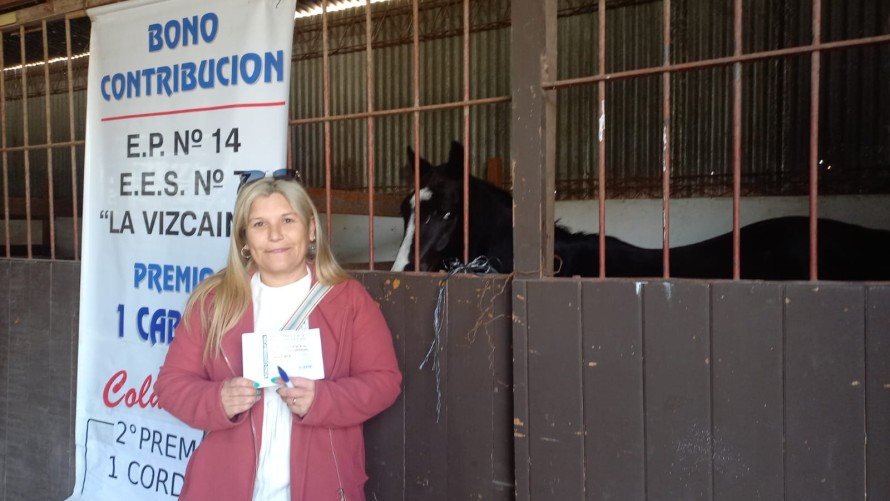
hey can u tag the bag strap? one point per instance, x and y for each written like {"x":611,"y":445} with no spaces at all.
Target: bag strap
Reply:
{"x":316,"y":294}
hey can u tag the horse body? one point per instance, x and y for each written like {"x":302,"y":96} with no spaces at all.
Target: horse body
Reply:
{"x":774,"y":249}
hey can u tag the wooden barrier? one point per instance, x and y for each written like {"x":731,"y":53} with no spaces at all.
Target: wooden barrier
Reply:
{"x":696,"y":390}
{"x":551,"y":389}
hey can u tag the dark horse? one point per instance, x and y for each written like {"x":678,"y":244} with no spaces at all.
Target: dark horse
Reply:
{"x":774,"y":249}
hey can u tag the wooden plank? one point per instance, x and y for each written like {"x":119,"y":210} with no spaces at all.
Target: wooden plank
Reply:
{"x":386,"y":453}
{"x":678,"y":390}
{"x":613,"y":391}
{"x":521,"y":409}
{"x":64,"y":298}
{"x":824,"y":391}
{"x":877,"y":385}
{"x":5,"y":299}
{"x":29,"y":310}
{"x":494,"y":172}
{"x":39,"y":208}
{"x":356,"y":202}
{"x":473,"y":432}
{"x":746,"y":341}
{"x":55,"y":9}
{"x":556,"y":423}
{"x":500,"y":329}
{"x":426,"y":440}
{"x":385,"y":433}
{"x":13,"y":5}
{"x":470,"y":438}
{"x":532,"y":158}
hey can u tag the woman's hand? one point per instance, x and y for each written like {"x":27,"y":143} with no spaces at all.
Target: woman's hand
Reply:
{"x":238,"y":395}
{"x":299,"y":398}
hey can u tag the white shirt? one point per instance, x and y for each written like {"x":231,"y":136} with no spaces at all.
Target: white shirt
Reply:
{"x":272,"y":307}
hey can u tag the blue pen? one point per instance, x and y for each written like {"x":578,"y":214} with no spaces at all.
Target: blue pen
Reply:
{"x":284,"y":377}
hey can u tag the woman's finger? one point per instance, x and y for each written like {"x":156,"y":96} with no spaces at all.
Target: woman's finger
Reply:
{"x":238,"y":395}
{"x":299,"y":398}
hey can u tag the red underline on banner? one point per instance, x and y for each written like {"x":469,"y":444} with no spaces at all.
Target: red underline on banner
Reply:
{"x":196,"y":110}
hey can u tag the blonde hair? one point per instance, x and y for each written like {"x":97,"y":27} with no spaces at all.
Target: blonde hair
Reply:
{"x":224,"y":296}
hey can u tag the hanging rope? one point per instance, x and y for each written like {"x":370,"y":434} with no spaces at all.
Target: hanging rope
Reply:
{"x":453,"y":266}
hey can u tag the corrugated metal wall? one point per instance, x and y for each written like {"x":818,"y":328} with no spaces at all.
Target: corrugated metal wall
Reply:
{"x":854,"y":102}
{"x":43,"y":110}
{"x":856,"y":109}
{"x":58,"y":116}
{"x":59,"y":123}
{"x":441,"y":77}
{"x":775,"y":102}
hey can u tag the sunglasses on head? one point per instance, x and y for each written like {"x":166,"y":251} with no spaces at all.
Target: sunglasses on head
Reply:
{"x":250,"y":176}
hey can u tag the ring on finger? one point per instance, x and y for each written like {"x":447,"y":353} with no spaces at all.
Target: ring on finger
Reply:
{"x":293,"y":401}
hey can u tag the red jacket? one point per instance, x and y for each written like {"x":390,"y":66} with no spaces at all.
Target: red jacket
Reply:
{"x":362,"y":379}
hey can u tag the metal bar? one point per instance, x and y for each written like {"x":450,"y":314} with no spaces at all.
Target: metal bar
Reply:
{"x":49,"y":151}
{"x":415,"y":13}
{"x":815,"y":66}
{"x":5,"y":154}
{"x":601,"y":136}
{"x":346,"y":48}
{"x":74,"y":204}
{"x":27,"y":162}
{"x":326,"y":89}
{"x":467,"y":145}
{"x":666,"y":142}
{"x":290,"y":150}
{"x":32,"y":147}
{"x":440,"y":30}
{"x":403,"y":111}
{"x":736,"y":141}
{"x":720,"y":61}
{"x":369,"y":65}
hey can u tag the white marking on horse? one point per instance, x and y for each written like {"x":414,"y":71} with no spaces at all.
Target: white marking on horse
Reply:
{"x":405,"y":250}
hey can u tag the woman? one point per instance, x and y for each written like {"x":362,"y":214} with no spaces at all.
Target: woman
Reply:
{"x":279,"y":443}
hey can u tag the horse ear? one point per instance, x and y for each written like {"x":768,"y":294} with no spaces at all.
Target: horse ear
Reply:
{"x":456,"y":161}
{"x":456,"y":154}
{"x":408,"y":169}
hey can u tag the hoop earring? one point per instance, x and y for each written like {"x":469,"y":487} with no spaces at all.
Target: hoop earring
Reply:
{"x":313,"y":250}
{"x":245,"y":255}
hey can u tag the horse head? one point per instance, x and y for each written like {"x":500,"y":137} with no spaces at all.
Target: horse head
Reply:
{"x":441,"y":217}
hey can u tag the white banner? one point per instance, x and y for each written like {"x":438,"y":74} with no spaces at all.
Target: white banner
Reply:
{"x":181,"y":95}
